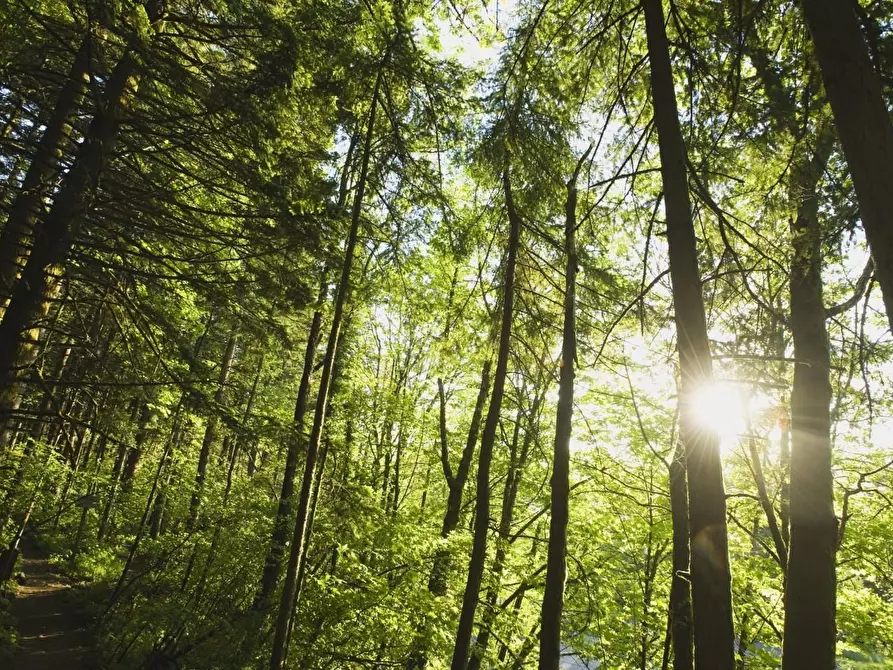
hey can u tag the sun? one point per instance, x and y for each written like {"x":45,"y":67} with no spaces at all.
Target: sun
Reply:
{"x":720,"y":408}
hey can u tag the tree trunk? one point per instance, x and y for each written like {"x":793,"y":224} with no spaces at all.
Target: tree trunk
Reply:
{"x":680,"y":592}
{"x":710,"y":573}
{"x":54,"y":236}
{"x":784,"y":494}
{"x":438,"y":581}
{"x":809,"y":639}
{"x":300,"y":537}
{"x":863,"y":124}
{"x":556,"y":572}
{"x":273,"y":562}
{"x":11,"y":396}
{"x":506,"y":518}
{"x":108,"y":508}
{"x":781,"y":549}
{"x":302,"y":572}
{"x":24,"y":210}
{"x":211,"y":430}
{"x":118,"y":591}
{"x":136,"y":451}
{"x":482,"y":506}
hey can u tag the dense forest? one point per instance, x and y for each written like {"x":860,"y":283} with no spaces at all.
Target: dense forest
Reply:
{"x":396,"y":334}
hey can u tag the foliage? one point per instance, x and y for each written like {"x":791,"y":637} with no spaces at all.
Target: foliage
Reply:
{"x":221,"y":218}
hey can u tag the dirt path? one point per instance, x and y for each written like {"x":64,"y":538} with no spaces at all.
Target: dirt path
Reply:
{"x":51,"y":633}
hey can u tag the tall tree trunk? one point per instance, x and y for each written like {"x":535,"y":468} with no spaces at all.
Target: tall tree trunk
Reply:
{"x":710,"y":573}
{"x":121,"y":584}
{"x":863,"y":124}
{"x":273,"y":562}
{"x":107,"y":509}
{"x":437,"y":582}
{"x":300,"y":537}
{"x":157,"y":520}
{"x":488,"y":439}
{"x":784,"y":493}
{"x":506,"y":518}
{"x":314,"y":500}
{"x":809,"y":632}
{"x":556,"y":572}
{"x":118,"y":476}
{"x":11,"y":396}
{"x":25,"y":208}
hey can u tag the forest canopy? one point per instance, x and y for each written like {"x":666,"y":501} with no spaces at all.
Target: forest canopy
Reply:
{"x":397,"y":334}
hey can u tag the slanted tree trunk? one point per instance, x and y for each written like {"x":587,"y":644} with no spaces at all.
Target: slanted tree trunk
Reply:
{"x":810,"y":631}
{"x":157,"y":520}
{"x":136,"y":451}
{"x":437,"y":583}
{"x":273,"y":562}
{"x":488,"y":439}
{"x":863,"y":124}
{"x":300,"y":537}
{"x":11,"y":397}
{"x":211,"y":430}
{"x":710,"y":573}
{"x":517,"y":461}
{"x":121,"y":584}
{"x":53,"y":238}
{"x":556,"y":572}
{"x":35,"y":433}
{"x":119,"y":479}
{"x":108,"y":508}
{"x":25,"y":208}
{"x":781,"y":549}
{"x":314,"y":500}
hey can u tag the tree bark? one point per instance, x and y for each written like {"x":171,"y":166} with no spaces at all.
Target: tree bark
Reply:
{"x":53,"y":238}
{"x":506,"y":518}
{"x":863,"y":124}
{"x":781,"y":549}
{"x":211,"y":430}
{"x":273,"y":563}
{"x":58,"y":230}
{"x":300,"y":536}
{"x":24,"y":211}
{"x":437,"y":583}
{"x":482,"y":506}
{"x":810,"y":593}
{"x":710,"y":572}
{"x":680,"y":591}
{"x":136,"y":451}
{"x":556,"y":572}
{"x":314,"y":499}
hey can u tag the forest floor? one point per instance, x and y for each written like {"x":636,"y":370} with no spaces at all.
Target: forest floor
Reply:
{"x":52,"y":632}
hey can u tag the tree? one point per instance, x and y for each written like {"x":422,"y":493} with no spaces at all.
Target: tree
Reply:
{"x":862,"y":121}
{"x":810,"y":633}
{"x":699,"y":274}
{"x":710,"y":572}
{"x":556,"y":573}
{"x":482,"y":500}
{"x":301,"y":534}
